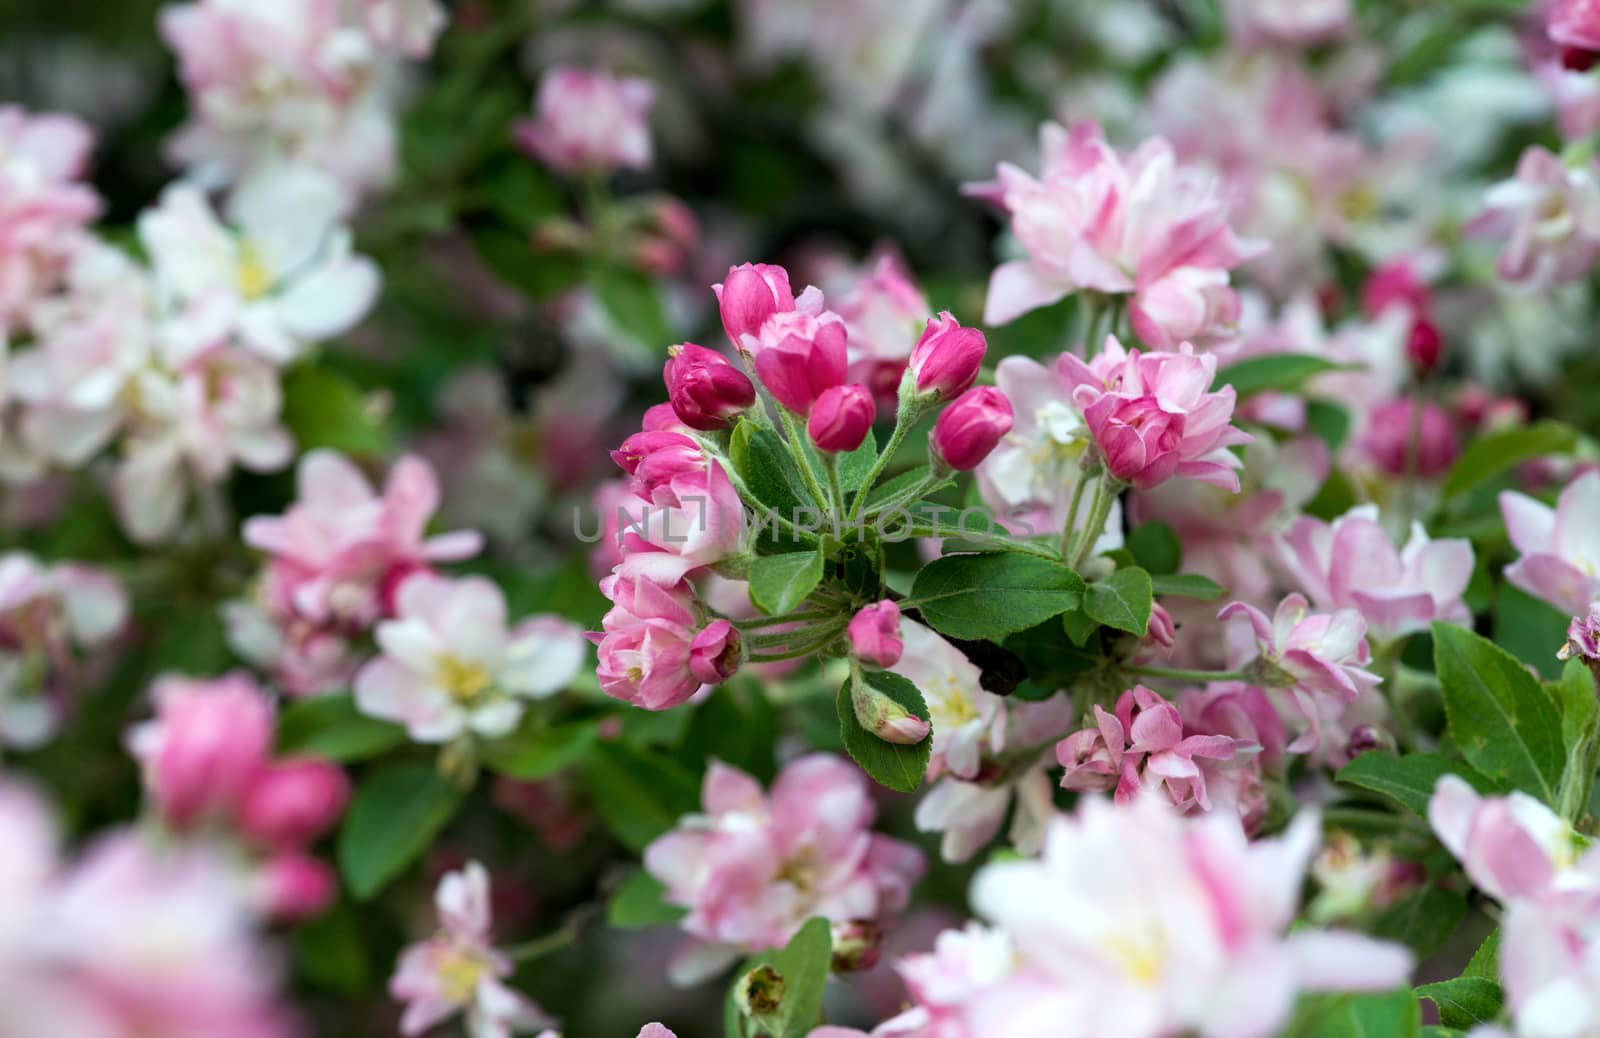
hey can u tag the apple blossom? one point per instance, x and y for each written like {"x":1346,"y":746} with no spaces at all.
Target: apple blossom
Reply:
{"x":799,"y":355}
{"x":1560,"y":547}
{"x":459,"y":970}
{"x":588,"y":121}
{"x":451,"y":666}
{"x":44,"y":206}
{"x":841,"y":418}
{"x":706,"y":390}
{"x":749,"y":295}
{"x":1352,"y":563}
{"x":757,"y":865}
{"x":946,"y":358}
{"x":875,"y":634}
{"x":970,"y":428}
{"x":1549,"y":216}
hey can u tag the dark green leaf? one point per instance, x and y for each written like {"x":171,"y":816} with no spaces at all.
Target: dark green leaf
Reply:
{"x":630,"y":299}
{"x":512,"y":259}
{"x":331,"y":727}
{"x":1485,"y":962}
{"x":759,"y":458}
{"x":778,"y":583}
{"x":1393,"y":1015}
{"x":1283,"y":372}
{"x":1422,"y":920}
{"x":540,"y":752}
{"x":736,"y":725}
{"x":330,"y":953}
{"x":1079,"y":626}
{"x":991,"y":596}
{"x":804,"y":964}
{"x":1155,"y":547}
{"x":395,"y":816}
{"x":1121,"y":601}
{"x":1330,"y":422}
{"x":1187,"y":585}
{"x":1497,"y":452}
{"x":1501,"y":718}
{"x":890,"y":764}
{"x":324,"y":409}
{"x":1529,"y":628}
{"x":640,"y":902}
{"x":1408,"y":781}
{"x":638,"y":793}
{"x":1465,"y":1001}
{"x":890,"y":489}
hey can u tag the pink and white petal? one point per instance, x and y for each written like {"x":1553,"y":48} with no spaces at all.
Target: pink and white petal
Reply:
{"x":331,"y":300}
{"x":411,"y":644}
{"x":1015,"y":288}
{"x":1333,"y":960}
{"x":544,"y":655}
{"x":1530,"y":524}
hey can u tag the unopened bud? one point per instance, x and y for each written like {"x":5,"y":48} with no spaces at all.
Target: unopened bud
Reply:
{"x":759,"y":992}
{"x":1365,"y":738}
{"x":885,"y":718}
{"x":857,"y":945}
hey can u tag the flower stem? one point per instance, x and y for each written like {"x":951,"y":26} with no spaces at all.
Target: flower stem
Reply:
{"x":797,"y":448}
{"x":1105,"y":495}
{"x":905,"y":418}
{"x":1071,"y":525}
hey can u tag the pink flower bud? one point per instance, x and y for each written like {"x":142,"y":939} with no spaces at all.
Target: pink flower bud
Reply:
{"x":291,"y":803}
{"x":875,"y":634}
{"x":1424,"y":347}
{"x":714,"y":654}
{"x":947,"y":357}
{"x":207,"y":744}
{"x":1395,"y":284}
{"x":749,"y":295}
{"x":293,"y":886}
{"x":1575,"y":24}
{"x":800,"y":356}
{"x":970,"y":428}
{"x":706,"y":390}
{"x":885,"y":718}
{"x":1387,"y":440}
{"x":841,"y":418}
{"x":1583,"y":639}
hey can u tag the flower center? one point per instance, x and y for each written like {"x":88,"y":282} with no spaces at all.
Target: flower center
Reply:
{"x":1139,"y":953}
{"x":459,"y":971}
{"x":250,"y":273}
{"x":465,"y":682}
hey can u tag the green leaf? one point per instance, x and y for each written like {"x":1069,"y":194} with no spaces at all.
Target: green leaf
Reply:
{"x":1485,"y":962}
{"x":1576,"y":694}
{"x":638,"y":793}
{"x":991,"y":596}
{"x":1408,"y":781}
{"x":890,"y":764}
{"x":1155,"y":547}
{"x":630,"y":299}
{"x":1187,"y":585}
{"x":778,"y":583}
{"x":329,"y":951}
{"x":394,"y":817}
{"x":1121,"y":601}
{"x":1422,"y":920}
{"x":759,"y":458}
{"x":1529,"y":628}
{"x":512,"y":259}
{"x":1392,"y":1015}
{"x":804,"y":964}
{"x":1501,"y":718}
{"x":853,"y":465}
{"x":540,"y":752}
{"x":1497,"y":452}
{"x":1078,"y":626}
{"x":1283,"y":372}
{"x":333,"y":728}
{"x":890,"y":489}
{"x":1330,"y":422}
{"x":737,"y":725}
{"x":640,"y":902}
{"x":1465,"y":1001}
{"x":324,"y":409}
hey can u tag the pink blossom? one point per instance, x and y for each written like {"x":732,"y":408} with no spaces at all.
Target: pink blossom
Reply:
{"x":1098,"y":221}
{"x":1141,"y":923}
{"x":589,"y":121}
{"x":1511,"y":846}
{"x":1547,"y":955}
{"x":1583,"y":638}
{"x":1387,"y":440}
{"x":410,"y":25}
{"x":460,"y":970}
{"x":875,"y":634}
{"x":47,"y":616}
{"x":44,"y":206}
{"x":706,"y":390}
{"x":219,"y":410}
{"x":841,"y":418}
{"x":1313,"y":656}
{"x":1575,"y":23}
{"x":292,"y":886}
{"x":342,"y":548}
{"x":963,"y":965}
{"x":799,"y":355}
{"x":755,"y":866}
{"x":1144,"y":744}
{"x":1560,"y":547}
{"x":647,"y":645}
{"x":884,"y":312}
{"x":290,"y":804}
{"x":450,"y":665}
{"x":693,"y":518}
{"x":289,"y":79}
{"x":1351,"y":563}
{"x":947,"y":357}
{"x":967,"y":718}
{"x":1154,"y":416}
{"x":206,"y":747}
{"x":749,"y":295}
{"x":970,"y":428}
{"x":1549,"y":216}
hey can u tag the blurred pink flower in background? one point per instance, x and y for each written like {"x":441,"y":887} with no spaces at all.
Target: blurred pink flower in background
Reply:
{"x":44,"y":206}
{"x":589,"y":121}
{"x":1560,"y":547}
